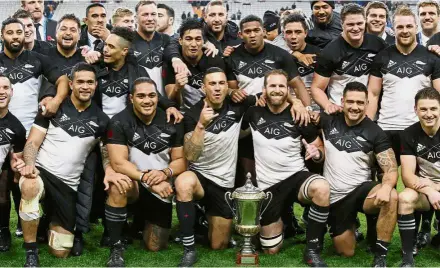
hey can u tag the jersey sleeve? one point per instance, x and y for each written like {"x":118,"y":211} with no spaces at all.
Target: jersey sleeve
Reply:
{"x":189,"y":123}
{"x":245,"y":124}
{"x":229,"y":67}
{"x":20,"y":138}
{"x":41,"y":121}
{"x":50,"y":71}
{"x":309,"y":133}
{"x":103,"y":127}
{"x":407,"y":143}
{"x":171,"y":48}
{"x":324,"y":65}
{"x":436,"y":68}
{"x":169,"y":75}
{"x":116,"y":133}
{"x":377,"y":65}
{"x":324,"y":120}
{"x":289,"y":65}
{"x":381,"y":142}
{"x":178,"y":139}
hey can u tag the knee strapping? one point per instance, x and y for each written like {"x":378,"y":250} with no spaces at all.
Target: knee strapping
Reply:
{"x":30,"y":209}
{"x":59,"y":241}
{"x":271,"y":242}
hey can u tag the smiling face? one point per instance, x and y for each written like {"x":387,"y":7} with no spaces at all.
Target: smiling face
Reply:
{"x":353,"y":27}
{"x":405,"y":29}
{"x":145,"y":99}
{"x":376,"y":20}
{"x":13,"y":37}
{"x":147,"y":18}
{"x":216,"y":18}
{"x":322,"y":12}
{"x":429,"y":17}
{"x":276,"y":90}
{"x":67,"y":34}
{"x":354,"y":104}
{"x":83,"y":86}
{"x":192,"y":43}
{"x":5,"y":92}
{"x":29,"y":30}
{"x":428,"y":111}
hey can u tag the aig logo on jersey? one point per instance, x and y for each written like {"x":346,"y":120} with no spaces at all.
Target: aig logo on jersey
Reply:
{"x":407,"y":69}
{"x":256,"y":69}
{"x":116,"y":89}
{"x":81,"y":129}
{"x":275,"y":130}
{"x":223,"y":123}
{"x":350,"y":143}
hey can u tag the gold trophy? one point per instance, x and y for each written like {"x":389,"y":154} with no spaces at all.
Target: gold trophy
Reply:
{"x":247,"y":201}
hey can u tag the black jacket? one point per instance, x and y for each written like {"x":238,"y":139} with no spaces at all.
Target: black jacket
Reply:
{"x":229,"y":39}
{"x":321,"y":35}
{"x":84,"y":38}
{"x":51,"y":29}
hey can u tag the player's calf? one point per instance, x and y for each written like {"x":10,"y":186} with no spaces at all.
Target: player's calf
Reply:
{"x":271,"y":237}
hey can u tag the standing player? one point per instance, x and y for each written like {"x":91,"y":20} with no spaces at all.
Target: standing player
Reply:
{"x":23,"y":67}
{"x":429,"y":15}
{"x":401,"y":70}
{"x":326,"y":24}
{"x":55,"y":154}
{"x":377,"y":17}
{"x":149,"y":150}
{"x":281,"y":169}
{"x":152,"y":48}
{"x":13,"y":138}
{"x":351,"y":141}
{"x":398,"y":73}
{"x":123,"y":17}
{"x":348,"y":58}
{"x":165,"y":20}
{"x":183,"y":88}
{"x":420,"y":170}
{"x":212,"y":129}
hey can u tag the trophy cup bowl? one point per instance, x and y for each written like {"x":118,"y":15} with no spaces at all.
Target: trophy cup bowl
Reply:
{"x":247,"y":201}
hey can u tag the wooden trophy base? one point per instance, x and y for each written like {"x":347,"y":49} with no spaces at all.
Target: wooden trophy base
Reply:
{"x":247,"y":259}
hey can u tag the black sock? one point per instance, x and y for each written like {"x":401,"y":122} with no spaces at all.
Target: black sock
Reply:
{"x":407,"y":228}
{"x":381,"y":247}
{"x":30,"y":246}
{"x":186,"y":213}
{"x":426,"y":221}
{"x":115,"y":219}
{"x":371,"y":230}
{"x":316,"y":223}
{"x":5,"y":213}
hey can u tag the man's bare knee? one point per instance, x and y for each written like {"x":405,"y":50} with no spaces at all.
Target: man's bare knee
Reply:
{"x":185,"y":186}
{"x":319,"y":191}
{"x":60,"y":241}
{"x":115,"y":197}
{"x":29,"y":189}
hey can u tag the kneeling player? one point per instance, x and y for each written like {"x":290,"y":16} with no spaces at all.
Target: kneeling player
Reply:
{"x":420,"y":157}
{"x":212,"y":129}
{"x":54,"y":154}
{"x":149,"y":151}
{"x":351,"y":140}
{"x":281,"y":169}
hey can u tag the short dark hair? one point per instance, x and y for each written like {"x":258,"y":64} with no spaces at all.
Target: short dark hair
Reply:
{"x":92,"y":6}
{"x":377,"y":5}
{"x":275,"y":72}
{"x":143,"y":3}
{"x":190,"y":24}
{"x":4,"y":76}
{"x":170,"y":10}
{"x":427,"y":93}
{"x":295,"y":18}
{"x":355,"y":86}
{"x":22,"y":14}
{"x":142,"y":80}
{"x":250,"y":18}
{"x":81,"y":66}
{"x":124,"y":33}
{"x":212,"y":70}
{"x":351,"y":9}
{"x":71,"y":17}
{"x":8,"y":21}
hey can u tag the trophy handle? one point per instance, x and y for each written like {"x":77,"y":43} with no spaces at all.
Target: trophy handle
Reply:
{"x":268,"y":194}
{"x":227,"y":199}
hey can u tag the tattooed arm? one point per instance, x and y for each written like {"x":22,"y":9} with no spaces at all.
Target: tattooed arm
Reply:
{"x":105,"y":158}
{"x":193,"y":143}
{"x":388,"y":164}
{"x":34,"y":141}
